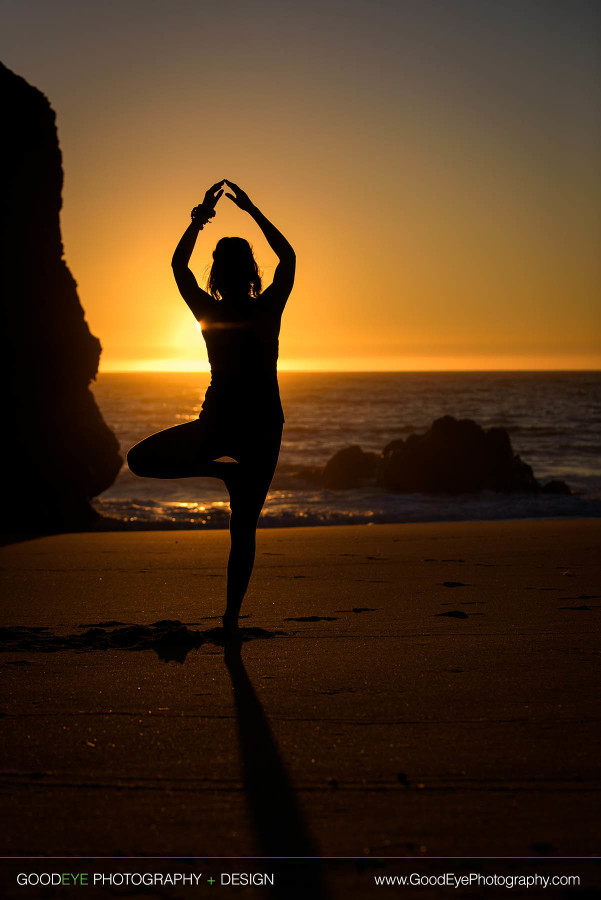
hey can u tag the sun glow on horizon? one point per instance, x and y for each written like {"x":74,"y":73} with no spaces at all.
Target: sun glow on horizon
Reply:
{"x":376,"y":364}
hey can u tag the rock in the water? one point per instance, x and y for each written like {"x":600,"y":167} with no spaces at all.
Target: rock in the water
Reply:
{"x":556,"y":487}
{"x":455,"y":457}
{"x":57,"y":451}
{"x":311,"y":474}
{"x":349,"y":468}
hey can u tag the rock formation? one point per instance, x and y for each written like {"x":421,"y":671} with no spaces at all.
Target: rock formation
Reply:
{"x":452,"y":457}
{"x":349,"y":468}
{"x":455,"y":457}
{"x":57,"y":451}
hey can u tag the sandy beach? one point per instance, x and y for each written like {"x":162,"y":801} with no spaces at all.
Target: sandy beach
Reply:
{"x":406,"y":690}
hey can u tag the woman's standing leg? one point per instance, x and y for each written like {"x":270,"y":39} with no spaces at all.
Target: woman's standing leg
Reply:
{"x":248,"y":491}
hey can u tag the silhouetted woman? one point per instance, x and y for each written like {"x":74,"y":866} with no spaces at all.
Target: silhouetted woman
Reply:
{"x":241,"y":414}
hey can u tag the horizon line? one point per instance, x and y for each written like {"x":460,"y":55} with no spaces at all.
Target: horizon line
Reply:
{"x":356,"y":371}
{"x":385,"y":363}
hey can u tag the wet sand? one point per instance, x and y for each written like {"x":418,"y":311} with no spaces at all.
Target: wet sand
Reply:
{"x":405,"y":690}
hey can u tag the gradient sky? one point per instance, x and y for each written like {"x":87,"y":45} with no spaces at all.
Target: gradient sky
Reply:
{"x":435,"y":164}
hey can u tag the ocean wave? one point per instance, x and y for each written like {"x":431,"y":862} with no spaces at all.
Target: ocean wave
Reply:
{"x":355,"y":507}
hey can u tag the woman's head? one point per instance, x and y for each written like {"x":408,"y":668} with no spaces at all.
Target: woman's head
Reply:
{"x":234,"y":271}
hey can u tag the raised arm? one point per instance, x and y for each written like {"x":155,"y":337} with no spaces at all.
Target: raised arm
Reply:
{"x":197,"y":299}
{"x":279,"y":290}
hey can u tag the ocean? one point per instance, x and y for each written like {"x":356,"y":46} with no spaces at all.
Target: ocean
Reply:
{"x":553,"y":419}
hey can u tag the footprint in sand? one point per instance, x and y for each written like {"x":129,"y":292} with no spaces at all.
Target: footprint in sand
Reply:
{"x":465,"y":602}
{"x":359,"y":609}
{"x":542,"y":589}
{"x":583,"y":607}
{"x":311,"y":619}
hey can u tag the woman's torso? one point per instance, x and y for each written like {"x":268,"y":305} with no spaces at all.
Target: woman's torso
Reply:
{"x":242,"y":344}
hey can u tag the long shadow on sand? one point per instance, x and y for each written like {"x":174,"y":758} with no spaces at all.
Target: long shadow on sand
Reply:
{"x":278,"y":822}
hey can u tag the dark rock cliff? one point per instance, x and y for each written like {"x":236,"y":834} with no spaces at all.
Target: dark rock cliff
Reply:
{"x":57,"y":452}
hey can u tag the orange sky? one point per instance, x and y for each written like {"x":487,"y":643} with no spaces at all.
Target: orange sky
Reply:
{"x":433,"y":164}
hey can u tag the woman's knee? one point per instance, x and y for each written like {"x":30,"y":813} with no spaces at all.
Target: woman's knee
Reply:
{"x":138,"y":461}
{"x":243,"y":521}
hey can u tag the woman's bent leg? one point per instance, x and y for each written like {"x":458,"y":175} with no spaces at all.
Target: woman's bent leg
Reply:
{"x":183,"y":451}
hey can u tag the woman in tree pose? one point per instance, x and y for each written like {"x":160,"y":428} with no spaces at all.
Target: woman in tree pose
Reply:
{"x":241,"y":415}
